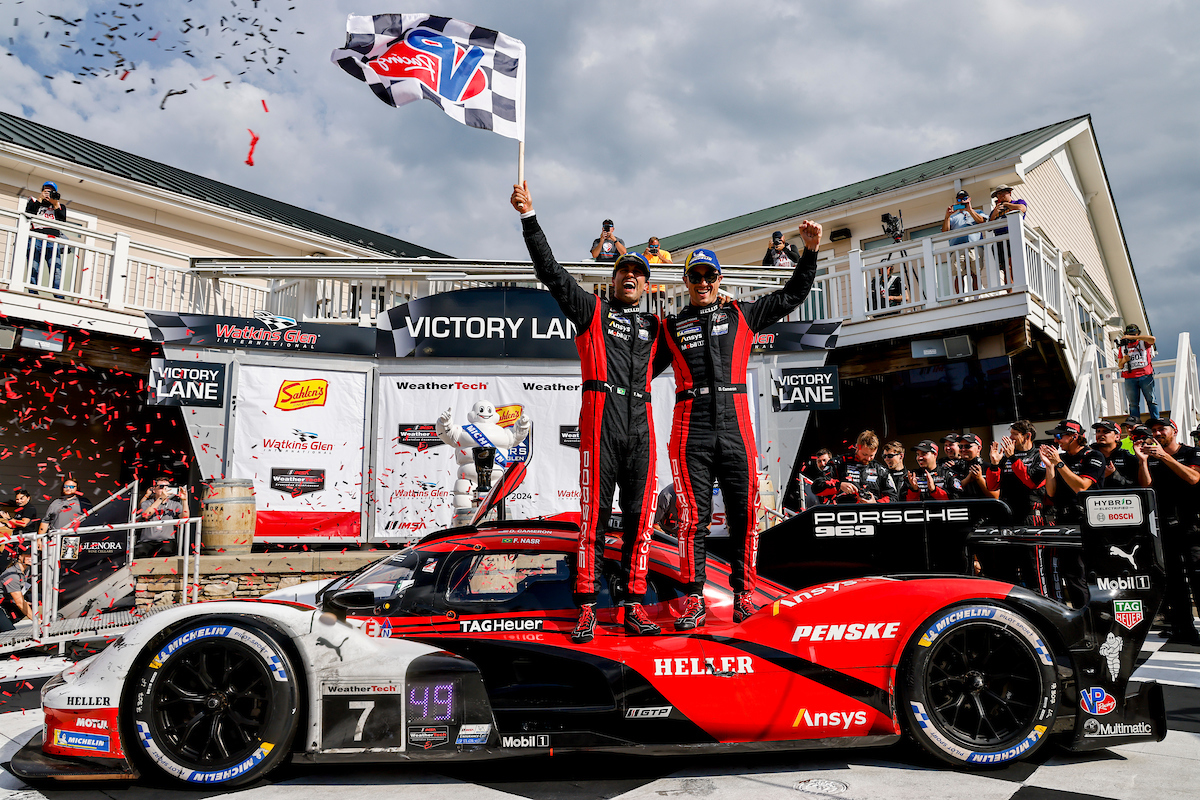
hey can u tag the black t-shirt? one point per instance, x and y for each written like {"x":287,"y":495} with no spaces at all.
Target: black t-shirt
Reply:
{"x":962,"y":468}
{"x":944,"y":478}
{"x":47,"y":211}
{"x":1021,"y":478}
{"x":26,"y":511}
{"x":1176,"y":499}
{"x":1088,"y":463}
{"x":1125,"y":469}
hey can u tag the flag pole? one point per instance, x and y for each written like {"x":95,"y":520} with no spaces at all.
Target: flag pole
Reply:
{"x":520,"y":163}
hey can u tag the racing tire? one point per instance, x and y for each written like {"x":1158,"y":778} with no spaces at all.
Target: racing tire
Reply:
{"x":214,"y":703}
{"x":978,"y":686}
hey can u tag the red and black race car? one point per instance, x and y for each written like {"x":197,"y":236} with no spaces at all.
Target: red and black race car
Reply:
{"x":458,"y":648}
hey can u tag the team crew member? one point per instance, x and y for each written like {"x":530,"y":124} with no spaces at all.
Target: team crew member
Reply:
{"x":857,"y":477}
{"x":893,"y":462}
{"x":1121,"y":466}
{"x":1018,"y":475}
{"x":616,"y":344}
{"x":969,"y":467}
{"x":931,"y":480}
{"x":1076,"y":469}
{"x":949,"y":454}
{"x":711,"y":437}
{"x":1173,"y":469}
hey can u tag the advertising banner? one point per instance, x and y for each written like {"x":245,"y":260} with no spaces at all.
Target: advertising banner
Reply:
{"x":805,"y":389}
{"x":186,"y":383}
{"x":262,"y":331}
{"x":479,"y":323}
{"x":416,"y":470}
{"x":299,"y":437}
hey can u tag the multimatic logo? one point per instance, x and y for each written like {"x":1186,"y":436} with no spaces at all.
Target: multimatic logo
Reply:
{"x":1095,"y":729}
{"x":862,"y":523}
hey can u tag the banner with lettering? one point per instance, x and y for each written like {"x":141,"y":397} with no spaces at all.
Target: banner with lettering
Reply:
{"x":298,"y":435}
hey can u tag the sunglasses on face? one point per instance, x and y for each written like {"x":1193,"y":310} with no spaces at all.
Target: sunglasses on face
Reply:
{"x":696,"y":278}
{"x":891,"y":455}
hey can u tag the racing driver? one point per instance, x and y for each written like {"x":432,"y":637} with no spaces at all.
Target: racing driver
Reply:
{"x":616,"y":344}
{"x":711,"y":438}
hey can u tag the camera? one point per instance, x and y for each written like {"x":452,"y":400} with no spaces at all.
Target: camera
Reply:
{"x":607,"y":228}
{"x":959,"y":206}
{"x":1140,"y":433}
{"x":55,"y":195}
{"x":893,"y":226}
{"x":653,"y":248}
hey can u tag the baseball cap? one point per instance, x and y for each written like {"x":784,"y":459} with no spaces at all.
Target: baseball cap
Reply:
{"x":1066,"y":426}
{"x":607,"y":222}
{"x":1163,"y":423}
{"x":1132,"y":329}
{"x":700,"y":258}
{"x":777,"y":235}
{"x":51,"y":184}
{"x":1132,"y":419}
{"x":1106,"y":424}
{"x":925,"y":446}
{"x":963,"y":194}
{"x":969,"y":438}
{"x":999,"y":189}
{"x":950,"y":437}
{"x":633,"y":259}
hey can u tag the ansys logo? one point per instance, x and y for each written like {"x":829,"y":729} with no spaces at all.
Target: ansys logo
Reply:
{"x":446,"y":68}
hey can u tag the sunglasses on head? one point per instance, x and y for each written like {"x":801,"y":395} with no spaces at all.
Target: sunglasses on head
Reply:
{"x":695,"y":278}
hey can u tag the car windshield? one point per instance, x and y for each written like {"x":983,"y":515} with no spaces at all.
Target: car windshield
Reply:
{"x":387,"y":578}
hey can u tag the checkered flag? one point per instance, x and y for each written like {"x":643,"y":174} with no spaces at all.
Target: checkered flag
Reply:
{"x":475,"y":75}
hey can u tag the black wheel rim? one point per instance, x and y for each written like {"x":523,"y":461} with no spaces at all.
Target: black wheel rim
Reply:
{"x":210,"y":704}
{"x":984,"y":685}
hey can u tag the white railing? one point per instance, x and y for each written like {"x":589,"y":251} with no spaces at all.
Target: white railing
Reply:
{"x":1088,"y":404}
{"x":1100,"y":391}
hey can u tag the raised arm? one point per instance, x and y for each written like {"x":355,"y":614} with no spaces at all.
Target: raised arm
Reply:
{"x":577,"y":304}
{"x":779,"y":303}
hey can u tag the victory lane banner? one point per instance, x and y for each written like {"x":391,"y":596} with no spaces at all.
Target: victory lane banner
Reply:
{"x":299,"y":436}
{"x":263,"y":331}
{"x":186,"y":383}
{"x":805,"y":389}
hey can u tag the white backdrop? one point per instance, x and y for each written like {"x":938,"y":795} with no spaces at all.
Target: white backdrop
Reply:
{"x":312,"y":432}
{"x":413,"y":486}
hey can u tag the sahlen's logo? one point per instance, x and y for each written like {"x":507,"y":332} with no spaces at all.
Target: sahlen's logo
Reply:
{"x":294,"y":395}
{"x":443,"y":66}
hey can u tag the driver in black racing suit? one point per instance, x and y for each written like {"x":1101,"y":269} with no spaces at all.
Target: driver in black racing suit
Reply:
{"x":616,"y":344}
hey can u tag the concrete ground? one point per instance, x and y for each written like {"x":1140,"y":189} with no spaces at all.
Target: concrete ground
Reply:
{"x":1159,"y":771}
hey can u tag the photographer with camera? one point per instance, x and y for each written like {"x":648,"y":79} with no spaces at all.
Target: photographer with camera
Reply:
{"x":857,"y":477}
{"x":962,"y":215}
{"x":1173,"y":469}
{"x":656,"y":254}
{"x":47,"y":206}
{"x":609,"y":247}
{"x":158,"y":503}
{"x":1135,"y":358}
{"x":781,"y":253}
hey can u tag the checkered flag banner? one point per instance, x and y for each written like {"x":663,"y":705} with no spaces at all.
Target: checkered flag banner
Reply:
{"x":475,"y":75}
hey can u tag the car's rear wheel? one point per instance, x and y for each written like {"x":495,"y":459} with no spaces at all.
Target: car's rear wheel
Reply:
{"x":978,"y":686}
{"x":213,"y":704}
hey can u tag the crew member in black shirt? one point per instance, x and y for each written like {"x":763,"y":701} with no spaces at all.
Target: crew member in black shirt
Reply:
{"x":932,"y":479}
{"x":1078,"y":468}
{"x":949,"y":452}
{"x":970,"y":467}
{"x":857,"y":477}
{"x":1017,"y":474}
{"x":1121,"y":466}
{"x":893,"y":462}
{"x":1173,"y":469}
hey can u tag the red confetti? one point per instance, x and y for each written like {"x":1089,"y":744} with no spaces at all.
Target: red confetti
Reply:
{"x":264,"y":102}
{"x":124,"y":74}
{"x":253,"y":141}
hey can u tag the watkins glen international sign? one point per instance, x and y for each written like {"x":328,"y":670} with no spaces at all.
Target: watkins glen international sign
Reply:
{"x":478,"y":323}
{"x":262,"y":331}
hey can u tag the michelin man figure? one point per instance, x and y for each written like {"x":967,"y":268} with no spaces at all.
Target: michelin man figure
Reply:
{"x":482,"y":430}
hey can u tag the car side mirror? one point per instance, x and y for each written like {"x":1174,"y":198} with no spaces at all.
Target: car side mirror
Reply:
{"x":350,"y":601}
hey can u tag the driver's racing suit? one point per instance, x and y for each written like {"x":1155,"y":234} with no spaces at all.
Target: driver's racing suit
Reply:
{"x":616,"y":346}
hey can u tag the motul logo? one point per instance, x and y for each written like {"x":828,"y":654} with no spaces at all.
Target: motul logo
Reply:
{"x":830,"y":719}
{"x":525,"y":741}
{"x":294,"y":395}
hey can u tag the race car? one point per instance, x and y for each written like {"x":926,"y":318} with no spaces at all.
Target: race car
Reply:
{"x":459,"y":648}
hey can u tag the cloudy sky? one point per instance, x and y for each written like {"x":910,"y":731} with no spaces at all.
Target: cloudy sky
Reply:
{"x":663,"y":115}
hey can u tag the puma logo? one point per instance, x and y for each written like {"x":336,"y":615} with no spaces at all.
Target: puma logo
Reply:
{"x":1113,"y":550}
{"x":337,"y":648}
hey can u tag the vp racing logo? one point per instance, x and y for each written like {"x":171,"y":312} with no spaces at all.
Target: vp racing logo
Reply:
{"x":444,"y":67}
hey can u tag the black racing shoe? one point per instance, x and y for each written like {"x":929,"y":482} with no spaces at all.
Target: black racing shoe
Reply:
{"x":585,"y":629}
{"x":693,"y":614}
{"x":637,"y":621}
{"x":742,"y":607}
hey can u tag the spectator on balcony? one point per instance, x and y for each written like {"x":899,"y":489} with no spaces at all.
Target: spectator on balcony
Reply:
{"x":962,"y":215}
{"x":887,"y":288}
{"x":893,"y":462}
{"x":1018,"y":476}
{"x":781,"y":253}
{"x":16,"y":606}
{"x":67,"y":511}
{"x":1173,"y":469}
{"x":161,"y":502}
{"x":1135,"y":359}
{"x":932,"y":479}
{"x":970,"y":467}
{"x":18,"y":517}
{"x":47,"y":206}
{"x":1121,"y":466}
{"x":608,"y":247}
{"x":655,"y":253}
{"x":1005,"y":205}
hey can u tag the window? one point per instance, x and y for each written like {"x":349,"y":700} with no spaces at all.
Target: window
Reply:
{"x":920,"y":233}
{"x":517,"y":581}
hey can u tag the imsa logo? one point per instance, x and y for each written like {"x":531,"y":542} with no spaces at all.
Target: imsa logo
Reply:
{"x":538,"y":740}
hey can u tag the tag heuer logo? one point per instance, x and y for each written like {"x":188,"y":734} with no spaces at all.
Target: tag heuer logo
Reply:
{"x":1128,"y":612}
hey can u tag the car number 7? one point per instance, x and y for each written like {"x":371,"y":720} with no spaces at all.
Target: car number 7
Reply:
{"x":366,"y":706}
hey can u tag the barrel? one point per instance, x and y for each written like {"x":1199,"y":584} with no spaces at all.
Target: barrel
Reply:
{"x":229,"y":516}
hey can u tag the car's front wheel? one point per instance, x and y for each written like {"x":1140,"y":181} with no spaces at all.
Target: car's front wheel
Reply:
{"x":212,"y":704}
{"x":978,"y":686}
